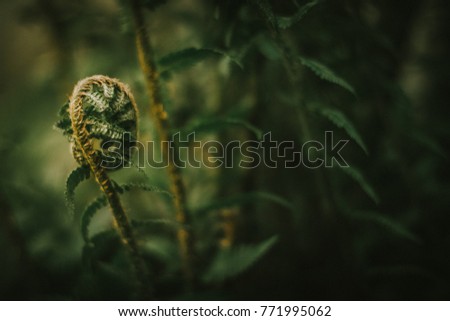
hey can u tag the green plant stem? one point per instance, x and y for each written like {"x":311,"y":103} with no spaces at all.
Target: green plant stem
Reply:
{"x":148,"y":65}
{"x":292,"y":68}
{"x":120,"y":218}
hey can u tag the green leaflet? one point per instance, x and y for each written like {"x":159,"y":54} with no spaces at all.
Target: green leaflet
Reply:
{"x":141,"y":186}
{"x":102,"y":129}
{"x":326,"y":73}
{"x":89,"y":213}
{"x":340,"y":120}
{"x":187,"y":58}
{"x":245,"y":198}
{"x":101,"y":202}
{"x":233,"y":261}
{"x":358,"y":177}
{"x":215,"y":123}
{"x":64,"y":123}
{"x":77,"y":176}
{"x":386,"y":223}
{"x":266,"y":9}
{"x":287,"y":22}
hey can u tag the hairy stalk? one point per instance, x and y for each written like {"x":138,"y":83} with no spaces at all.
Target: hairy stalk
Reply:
{"x":92,"y":158}
{"x":148,"y":65}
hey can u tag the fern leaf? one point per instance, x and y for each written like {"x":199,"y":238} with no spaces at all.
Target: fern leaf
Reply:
{"x":98,"y":102}
{"x":326,"y":73}
{"x":245,"y":198}
{"x":64,"y":110}
{"x":120,"y":100}
{"x":89,"y":213}
{"x":103,"y":129}
{"x":73,"y":180}
{"x":386,"y":223}
{"x":266,"y":9}
{"x":187,"y":58}
{"x":143,"y":187}
{"x":340,"y":120}
{"x":287,"y":22}
{"x":64,"y":125}
{"x":213,"y":124}
{"x":231,"y":262}
{"x":360,"y":179}
{"x":101,"y":202}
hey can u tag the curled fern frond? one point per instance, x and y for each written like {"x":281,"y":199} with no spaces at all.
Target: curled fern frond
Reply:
{"x":109,"y":111}
{"x":92,"y":118}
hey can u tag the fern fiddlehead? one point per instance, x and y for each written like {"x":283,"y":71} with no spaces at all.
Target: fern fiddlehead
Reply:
{"x":102,"y":110}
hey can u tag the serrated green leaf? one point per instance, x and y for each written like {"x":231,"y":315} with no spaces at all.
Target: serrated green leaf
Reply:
{"x":268,"y":47}
{"x":189,"y":57}
{"x":340,"y":120}
{"x":231,"y":262}
{"x":141,"y":186}
{"x":268,"y":13}
{"x":77,"y":176}
{"x":326,"y":73}
{"x":387,"y":223}
{"x":89,"y":213}
{"x":216,"y":123}
{"x":360,"y":179}
{"x":287,"y":22}
{"x":101,"y":202}
{"x":64,"y":110}
{"x":245,"y":198}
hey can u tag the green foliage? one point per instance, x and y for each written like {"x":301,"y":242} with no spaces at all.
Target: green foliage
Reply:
{"x":214,"y":124}
{"x":245,"y":198}
{"x":89,"y":213}
{"x":101,"y":201}
{"x":326,"y":73}
{"x":189,"y":57}
{"x":301,"y":58}
{"x":266,"y":9}
{"x":77,"y":176}
{"x":340,"y":120}
{"x":386,"y":223}
{"x":143,"y":187}
{"x":356,"y":175}
{"x":287,"y":22}
{"x":233,"y":261}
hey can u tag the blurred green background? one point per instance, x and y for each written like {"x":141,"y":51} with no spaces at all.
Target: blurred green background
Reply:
{"x":382,"y":232}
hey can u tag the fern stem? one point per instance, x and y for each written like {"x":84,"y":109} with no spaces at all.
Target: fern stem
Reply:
{"x":91,"y":157}
{"x":148,"y":65}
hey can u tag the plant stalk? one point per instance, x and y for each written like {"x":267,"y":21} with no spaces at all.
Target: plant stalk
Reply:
{"x":157,"y":110}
